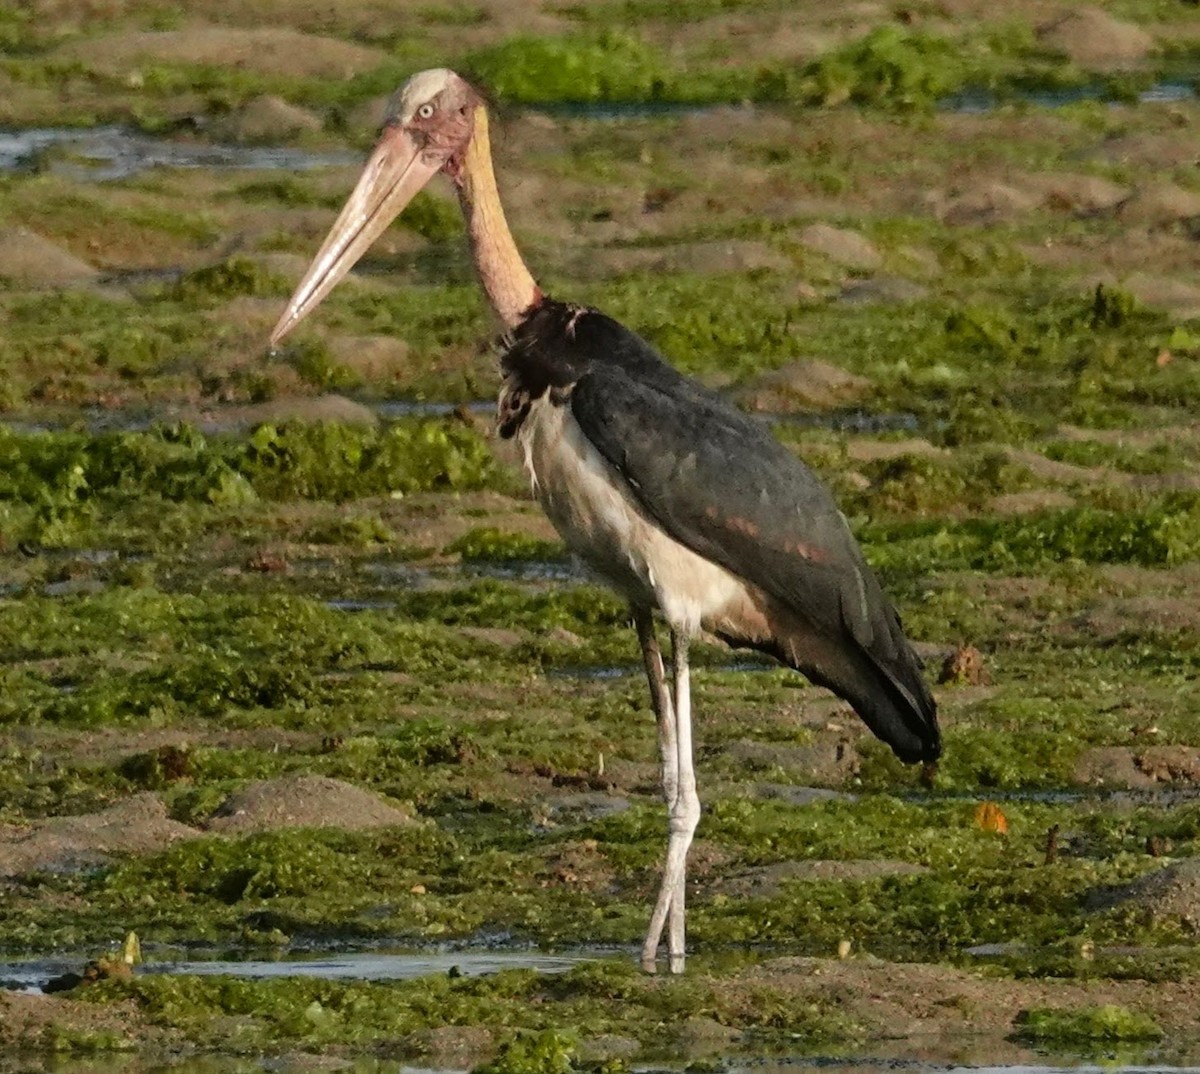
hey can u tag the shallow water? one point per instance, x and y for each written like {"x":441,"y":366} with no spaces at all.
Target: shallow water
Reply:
{"x":975,"y":101}
{"x":30,"y":976}
{"x":525,"y":570}
{"x":106,"y":153}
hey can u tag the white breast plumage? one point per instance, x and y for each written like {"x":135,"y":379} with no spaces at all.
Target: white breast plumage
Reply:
{"x":591,"y":507}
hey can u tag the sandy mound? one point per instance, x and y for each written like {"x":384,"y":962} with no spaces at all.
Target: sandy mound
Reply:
{"x":303,"y":802}
{"x":293,"y":408}
{"x":1178,"y":297}
{"x":266,"y":119}
{"x":1076,"y":193}
{"x":267,"y":51}
{"x":1151,"y":766}
{"x":831,"y":759}
{"x":1095,"y":40}
{"x":29,"y":260}
{"x":33,"y":1021}
{"x":1159,"y":205}
{"x":374,"y":358}
{"x":843,"y":246}
{"x":136,"y":825}
{"x":704,"y":258}
{"x":804,"y":385}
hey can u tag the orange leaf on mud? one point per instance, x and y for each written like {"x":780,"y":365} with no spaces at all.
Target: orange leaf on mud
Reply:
{"x":990,"y":818}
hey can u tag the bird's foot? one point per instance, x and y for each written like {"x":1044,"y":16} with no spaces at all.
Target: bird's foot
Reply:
{"x":675,"y":962}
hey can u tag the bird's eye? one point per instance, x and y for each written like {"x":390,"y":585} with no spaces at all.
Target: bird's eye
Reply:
{"x":425,"y":111}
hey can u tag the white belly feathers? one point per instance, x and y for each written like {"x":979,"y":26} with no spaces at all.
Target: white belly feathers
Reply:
{"x":586,"y":500}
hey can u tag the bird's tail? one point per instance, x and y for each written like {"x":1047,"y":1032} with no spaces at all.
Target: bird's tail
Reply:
{"x":881,"y":680}
{"x":897,"y":706}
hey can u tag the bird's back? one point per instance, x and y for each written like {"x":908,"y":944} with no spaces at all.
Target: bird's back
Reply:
{"x":716,"y":481}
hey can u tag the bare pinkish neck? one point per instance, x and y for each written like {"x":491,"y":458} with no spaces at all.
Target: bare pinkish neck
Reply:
{"x":510,"y":287}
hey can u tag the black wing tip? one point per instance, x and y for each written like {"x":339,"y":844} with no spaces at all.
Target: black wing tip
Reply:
{"x":925,"y":748}
{"x":906,"y":719}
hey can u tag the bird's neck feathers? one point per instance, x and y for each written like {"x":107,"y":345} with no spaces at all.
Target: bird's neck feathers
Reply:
{"x":509,"y":285}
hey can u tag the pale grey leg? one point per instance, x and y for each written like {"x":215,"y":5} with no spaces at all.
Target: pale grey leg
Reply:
{"x":664,"y":714}
{"x":684,"y":812}
{"x":660,"y":701}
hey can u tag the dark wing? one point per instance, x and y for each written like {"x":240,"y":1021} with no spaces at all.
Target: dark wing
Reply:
{"x":718,"y":482}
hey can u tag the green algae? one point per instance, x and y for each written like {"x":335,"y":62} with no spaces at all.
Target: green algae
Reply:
{"x":490,"y":545}
{"x":611,"y":65}
{"x":540,"y":1019}
{"x":891,"y":67}
{"x":499,"y":713}
{"x":225,"y":280}
{"x":1157,"y":532}
{"x":547,"y":1052}
{"x":1091,"y":1025}
{"x":56,"y":482}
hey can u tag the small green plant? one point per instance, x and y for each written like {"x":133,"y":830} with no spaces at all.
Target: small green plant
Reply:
{"x":608,"y":66}
{"x":891,"y":67}
{"x":488,"y":544}
{"x":228,"y":279}
{"x":433,"y":218}
{"x":1090,"y":1025}
{"x":1111,"y":307}
{"x":547,"y":1052}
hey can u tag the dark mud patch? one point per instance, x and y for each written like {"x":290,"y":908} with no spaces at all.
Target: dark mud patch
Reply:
{"x":303,"y":802}
{"x":832,"y":759}
{"x":138,"y":825}
{"x":1170,"y":896}
{"x":765,"y":881}
{"x":579,"y":865}
{"x":804,"y":385}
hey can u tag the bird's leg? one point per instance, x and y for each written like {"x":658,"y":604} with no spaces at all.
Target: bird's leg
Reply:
{"x":684,"y":816}
{"x":660,"y":701}
{"x":664,"y":714}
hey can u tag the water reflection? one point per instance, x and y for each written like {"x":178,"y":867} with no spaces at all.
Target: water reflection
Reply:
{"x":106,"y":153}
{"x":31,"y":975}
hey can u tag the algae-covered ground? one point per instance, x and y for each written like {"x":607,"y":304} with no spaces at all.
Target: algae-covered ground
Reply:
{"x":290,"y":660}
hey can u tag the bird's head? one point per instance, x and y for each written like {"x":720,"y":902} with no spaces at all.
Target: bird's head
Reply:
{"x":428,"y":128}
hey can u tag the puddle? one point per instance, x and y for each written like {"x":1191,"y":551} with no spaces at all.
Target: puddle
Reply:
{"x":360,"y":605}
{"x":979,"y":101}
{"x":849,"y":421}
{"x":405,"y":408}
{"x":620,"y":671}
{"x":102,"y":154}
{"x":969,"y":101}
{"x":360,"y":966}
{"x":580,"y":671}
{"x":526,"y":570}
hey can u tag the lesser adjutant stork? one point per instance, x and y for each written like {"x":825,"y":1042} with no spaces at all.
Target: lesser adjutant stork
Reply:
{"x":686,"y":506}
